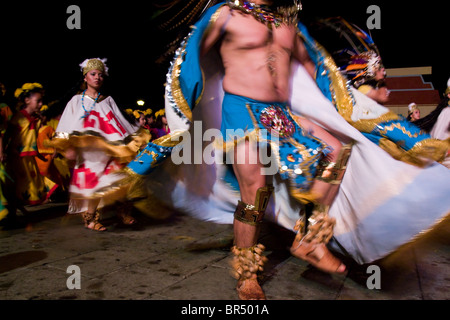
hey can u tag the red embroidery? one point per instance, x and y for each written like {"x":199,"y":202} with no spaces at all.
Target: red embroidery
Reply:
{"x":83,"y":178}
{"x":111,"y":116}
{"x":94,"y":120}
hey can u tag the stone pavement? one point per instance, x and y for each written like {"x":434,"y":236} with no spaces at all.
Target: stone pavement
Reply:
{"x":165,"y":260}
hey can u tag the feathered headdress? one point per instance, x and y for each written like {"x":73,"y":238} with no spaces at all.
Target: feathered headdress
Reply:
{"x":352,"y":49}
{"x":362,"y":67}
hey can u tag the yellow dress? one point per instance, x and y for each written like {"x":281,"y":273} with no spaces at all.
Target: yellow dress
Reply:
{"x":31,"y":188}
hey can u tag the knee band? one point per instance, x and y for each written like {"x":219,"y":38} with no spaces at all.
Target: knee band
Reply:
{"x":254,"y":214}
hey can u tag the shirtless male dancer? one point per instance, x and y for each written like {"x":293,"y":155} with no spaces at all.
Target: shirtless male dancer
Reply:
{"x":256,"y":57}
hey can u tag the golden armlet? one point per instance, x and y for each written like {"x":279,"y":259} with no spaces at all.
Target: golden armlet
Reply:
{"x":254,"y":214}
{"x":333,"y":172}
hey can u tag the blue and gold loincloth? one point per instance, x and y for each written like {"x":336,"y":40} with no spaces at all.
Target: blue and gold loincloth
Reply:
{"x":297,"y":152}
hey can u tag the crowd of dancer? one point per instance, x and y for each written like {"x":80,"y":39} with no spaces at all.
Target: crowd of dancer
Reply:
{"x":35,"y":170}
{"x":352,"y":175}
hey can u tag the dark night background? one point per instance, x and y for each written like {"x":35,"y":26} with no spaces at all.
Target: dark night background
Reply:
{"x":37,"y":46}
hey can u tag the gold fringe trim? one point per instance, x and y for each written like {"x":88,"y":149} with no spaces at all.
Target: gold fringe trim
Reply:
{"x":447,"y":141}
{"x":133,"y":188}
{"x":168,"y":139}
{"x":368,"y":125}
{"x":421,"y":154}
{"x":124,"y":153}
{"x":341,"y":96}
{"x":253,"y":137}
{"x":137,"y":188}
{"x":108,"y":195}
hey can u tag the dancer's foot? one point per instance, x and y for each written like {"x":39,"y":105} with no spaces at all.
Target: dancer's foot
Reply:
{"x":319,"y":256}
{"x":126,"y":218}
{"x":96,"y":226}
{"x":249,"y":289}
{"x":91,"y":221}
{"x":124,"y":213}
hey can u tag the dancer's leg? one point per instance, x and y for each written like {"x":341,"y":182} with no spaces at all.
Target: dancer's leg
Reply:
{"x":255,"y":195}
{"x":316,"y":230}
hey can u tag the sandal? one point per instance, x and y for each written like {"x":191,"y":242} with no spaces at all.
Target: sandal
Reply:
{"x":319,"y":256}
{"x":124,"y":214}
{"x":96,"y":226}
{"x":91,"y":221}
{"x":249,"y":289}
{"x":245,"y":265}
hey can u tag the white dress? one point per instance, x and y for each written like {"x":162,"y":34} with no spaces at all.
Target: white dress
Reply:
{"x":98,"y":135}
